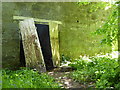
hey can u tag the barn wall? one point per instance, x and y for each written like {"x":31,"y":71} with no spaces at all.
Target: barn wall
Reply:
{"x":75,"y":37}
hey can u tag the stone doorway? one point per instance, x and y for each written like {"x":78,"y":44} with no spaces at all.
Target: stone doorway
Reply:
{"x":44,"y":39}
{"x":36,"y":54}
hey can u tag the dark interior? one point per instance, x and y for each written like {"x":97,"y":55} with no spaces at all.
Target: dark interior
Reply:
{"x":44,"y":38}
{"x":22,"y":56}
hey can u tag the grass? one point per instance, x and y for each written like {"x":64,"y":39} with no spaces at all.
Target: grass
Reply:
{"x":26,"y":78}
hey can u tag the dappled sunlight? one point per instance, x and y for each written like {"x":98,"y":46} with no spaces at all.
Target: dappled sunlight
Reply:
{"x":113,"y":54}
{"x":106,"y":8}
{"x":74,"y":46}
{"x":64,"y":80}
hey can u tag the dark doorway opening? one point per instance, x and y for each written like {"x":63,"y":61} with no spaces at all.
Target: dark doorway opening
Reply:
{"x":22,"y":55}
{"x":44,"y":39}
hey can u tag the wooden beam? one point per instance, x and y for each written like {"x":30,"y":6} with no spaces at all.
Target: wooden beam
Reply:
{"x":35,"y":19}
{"x":54,"y":39}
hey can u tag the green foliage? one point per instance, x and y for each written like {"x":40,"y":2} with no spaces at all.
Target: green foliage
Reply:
{"x":100,"y":70}
{"x":65,"y":58}
{"x":110,"y":28}
{"x":94,"y":6}
{"x":83,"y":3}
{"x":97,"y":5}
{"x":25,"y":78}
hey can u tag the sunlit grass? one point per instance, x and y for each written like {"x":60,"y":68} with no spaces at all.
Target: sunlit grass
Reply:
{"x":26,"y":78}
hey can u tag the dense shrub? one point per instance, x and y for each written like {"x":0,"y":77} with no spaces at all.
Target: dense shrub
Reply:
{"x":103,"y":71}
{"x":26,"y":78}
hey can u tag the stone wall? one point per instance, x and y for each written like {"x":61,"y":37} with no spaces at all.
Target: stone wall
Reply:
{"x":75,"y":32}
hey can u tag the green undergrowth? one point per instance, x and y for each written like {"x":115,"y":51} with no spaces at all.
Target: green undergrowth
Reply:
{"x":102,"y":71}
{"x":26,"y":78}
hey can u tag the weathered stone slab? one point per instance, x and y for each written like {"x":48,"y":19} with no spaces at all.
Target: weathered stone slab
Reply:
{"x":31,"y":45}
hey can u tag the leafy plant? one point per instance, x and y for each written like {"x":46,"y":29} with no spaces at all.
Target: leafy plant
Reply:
{"x":26,"y":78}
{"x":110,"y":28}
{"x":101,"y":71}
